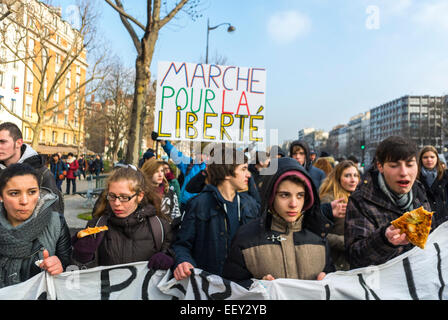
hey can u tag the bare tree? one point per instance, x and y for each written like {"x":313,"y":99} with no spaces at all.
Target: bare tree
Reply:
{"x":116,"y":94}
{"x":145,"y":49}
{"x":34,"y":44}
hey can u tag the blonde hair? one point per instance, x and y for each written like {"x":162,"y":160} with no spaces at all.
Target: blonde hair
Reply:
{"x":332,"y":183}
{"x":439,"y":167}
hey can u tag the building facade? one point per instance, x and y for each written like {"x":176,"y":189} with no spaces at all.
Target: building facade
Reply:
{"x":48,"y":86}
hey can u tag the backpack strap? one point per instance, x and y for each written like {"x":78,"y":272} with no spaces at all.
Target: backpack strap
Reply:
{"x":157,"y":231}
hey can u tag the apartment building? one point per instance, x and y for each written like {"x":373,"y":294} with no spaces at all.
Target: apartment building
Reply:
{"x":42,"y":77}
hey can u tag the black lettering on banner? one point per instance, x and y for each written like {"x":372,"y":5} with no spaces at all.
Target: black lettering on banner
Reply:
{"x":327,"y":292}
{"x":145,"y":285}
{"x":180,"y":288}
{"x":366,"y":288}
{"x":218,"y":295}
{"x":439,"y":270}
{"x":107,"y":289}
{"x":194,"y":284}
{"x":42,"y":296}
{"x":410,"y":279}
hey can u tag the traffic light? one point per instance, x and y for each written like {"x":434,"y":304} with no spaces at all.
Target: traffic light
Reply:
{"x":363,"y":145}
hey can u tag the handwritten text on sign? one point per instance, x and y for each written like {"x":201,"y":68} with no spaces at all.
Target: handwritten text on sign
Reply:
{"x":200,"y":102}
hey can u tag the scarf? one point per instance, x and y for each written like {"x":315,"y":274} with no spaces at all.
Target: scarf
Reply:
{"x":430,"y":175}
{"x":402,"y":201}
{"x":16,"y":243}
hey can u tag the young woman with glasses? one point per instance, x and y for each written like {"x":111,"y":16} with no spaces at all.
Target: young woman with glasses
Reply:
{"x":137,"y":231}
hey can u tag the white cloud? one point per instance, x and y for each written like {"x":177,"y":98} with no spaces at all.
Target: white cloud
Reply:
{"x":285,"y":27}
{"x":433,"y":15}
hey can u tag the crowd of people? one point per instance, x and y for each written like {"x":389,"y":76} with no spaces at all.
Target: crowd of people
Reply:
{"x":225,"y":212}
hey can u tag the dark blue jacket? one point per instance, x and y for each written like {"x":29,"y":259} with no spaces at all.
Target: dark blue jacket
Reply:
{"x":57,"y":169}
{"x":204,"y":236}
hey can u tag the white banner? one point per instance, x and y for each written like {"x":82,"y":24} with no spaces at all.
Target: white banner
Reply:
{"x":416,"y":274}
{"x":206,"y":102}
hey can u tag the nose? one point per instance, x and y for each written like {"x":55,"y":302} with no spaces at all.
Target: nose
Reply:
{"x":24,"y":199}
{"x":293,"y":202}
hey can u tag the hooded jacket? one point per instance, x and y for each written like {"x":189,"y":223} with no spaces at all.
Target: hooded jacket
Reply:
{"x":46,"y":178}
{"x":316,"y":174}
{"x":204,"y":235}
{"x":270,"y":245}
{"x":369,"y":213}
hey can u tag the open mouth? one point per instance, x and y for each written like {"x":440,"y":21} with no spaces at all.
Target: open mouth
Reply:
{"x":403,"y":183}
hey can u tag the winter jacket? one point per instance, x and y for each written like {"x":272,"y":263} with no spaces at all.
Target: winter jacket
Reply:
{"x":437,"y":195}
{"x":183,"y":163}
{"x":55,"y":237}
{"x":46,"y":179}
{"x":57,"y":169}
{"x":71,"y":168}
{"x":369,"y":213}
{"x":317,"y":175}
{"x":204,"y":235}
{"x":130,"y":239}
{"x":270,"y":245}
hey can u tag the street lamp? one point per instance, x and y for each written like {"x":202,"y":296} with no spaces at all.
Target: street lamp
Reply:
{"x":229,"y":29}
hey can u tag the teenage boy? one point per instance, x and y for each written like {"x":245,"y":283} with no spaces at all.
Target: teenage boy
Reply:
{"x":389,"y":189}
{"x":300,"y":151}
{"x":213,"y":217}
{"x":13,"y":150}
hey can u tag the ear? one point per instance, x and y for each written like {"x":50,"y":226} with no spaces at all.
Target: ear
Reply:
{"x":140,"y":197}
{"x":19,"y":143}
{"x":380,"y":167}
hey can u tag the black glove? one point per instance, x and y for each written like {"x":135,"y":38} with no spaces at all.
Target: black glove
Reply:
{"x":154,"y":135}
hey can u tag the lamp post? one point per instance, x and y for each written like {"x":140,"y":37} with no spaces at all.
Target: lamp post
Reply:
{"x":229,"y":29}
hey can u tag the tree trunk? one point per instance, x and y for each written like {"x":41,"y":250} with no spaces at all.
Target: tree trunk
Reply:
{"x":141,"y":82}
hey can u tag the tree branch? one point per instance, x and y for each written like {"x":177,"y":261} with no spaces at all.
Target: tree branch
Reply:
{"x":172,"y":13}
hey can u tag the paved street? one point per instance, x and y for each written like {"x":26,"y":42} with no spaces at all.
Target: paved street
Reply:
{"x":74,"y":205}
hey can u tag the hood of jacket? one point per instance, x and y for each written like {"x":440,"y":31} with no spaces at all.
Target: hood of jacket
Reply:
{"x":284,"y":165}
{"x":305,"y":147}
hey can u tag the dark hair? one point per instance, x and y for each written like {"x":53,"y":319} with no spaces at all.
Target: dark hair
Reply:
{"x":395,"y":148}
{"x":223,"y":163}
{"x":15,"y":170}
{"x":13,"y":130}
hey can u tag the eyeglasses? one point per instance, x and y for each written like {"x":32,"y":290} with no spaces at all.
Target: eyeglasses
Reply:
{"x":112,"y":197}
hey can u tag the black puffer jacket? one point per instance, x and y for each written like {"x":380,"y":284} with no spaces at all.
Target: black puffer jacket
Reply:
{"x":130,"y":239}
{"x":437,"y":195}
{"x":270,"y":245}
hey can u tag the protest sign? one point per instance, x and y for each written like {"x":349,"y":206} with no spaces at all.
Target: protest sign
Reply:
{"x":416,"y":274}
{"x":212,"y":103}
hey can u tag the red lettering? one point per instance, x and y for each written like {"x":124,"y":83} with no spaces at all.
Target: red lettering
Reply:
{"x":243,"y":104}
{"x":223,"y":99}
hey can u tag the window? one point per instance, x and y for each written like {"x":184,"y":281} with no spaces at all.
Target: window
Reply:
{"x":65,"y":139}
{"x":67,"y":83}
{"x":66,"y":119}
{"x":13,"y":105}
{"x":29,"y":86}
{"x":28,"y":110}
{"x":13,"y":82}
{"x":55,"y":117}
{"x":2,"y":78}
{"x":54,"y":136}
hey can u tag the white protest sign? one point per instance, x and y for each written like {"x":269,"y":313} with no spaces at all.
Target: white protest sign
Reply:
{"x":213,"y":103}
{"x":416,"y":274}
